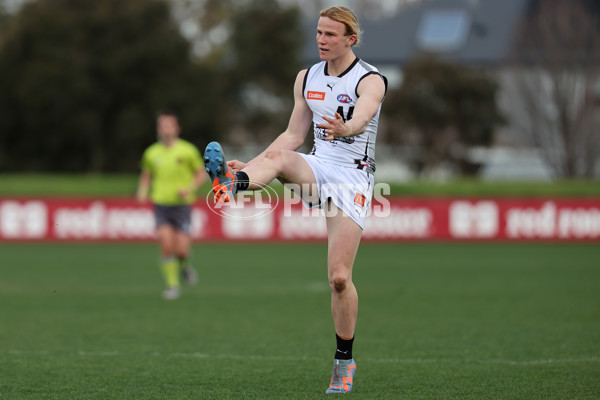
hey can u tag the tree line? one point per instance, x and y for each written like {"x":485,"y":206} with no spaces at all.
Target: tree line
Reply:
{"x":81,"y":83}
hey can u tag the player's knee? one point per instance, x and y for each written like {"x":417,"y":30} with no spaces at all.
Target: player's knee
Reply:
{"x":339,"y":282}
{"x":276,"y":161}
{"x":273,"y":155}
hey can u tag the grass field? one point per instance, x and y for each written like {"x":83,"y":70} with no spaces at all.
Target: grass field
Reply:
{"x":436,"y":321}
{"x":125,"y":185}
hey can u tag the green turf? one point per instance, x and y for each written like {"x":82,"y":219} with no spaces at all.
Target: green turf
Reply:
{"x":125,"y":185}
{"x":436,"y":321}
{"x":67,"y":184}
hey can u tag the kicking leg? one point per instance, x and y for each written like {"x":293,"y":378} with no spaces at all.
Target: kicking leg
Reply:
{"x":286,"y":165}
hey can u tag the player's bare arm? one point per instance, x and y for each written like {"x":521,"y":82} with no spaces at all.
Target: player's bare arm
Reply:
{"x":143,"y":186}
{"x":293,"y":137}
{"x":371,"y":91}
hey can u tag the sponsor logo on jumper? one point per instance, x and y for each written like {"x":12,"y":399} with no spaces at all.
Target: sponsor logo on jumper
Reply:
{"x":344,"y":98}
{"x":315,"y":95}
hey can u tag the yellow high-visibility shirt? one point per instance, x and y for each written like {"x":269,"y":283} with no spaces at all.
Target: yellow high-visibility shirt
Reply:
{"x":172,"y":169}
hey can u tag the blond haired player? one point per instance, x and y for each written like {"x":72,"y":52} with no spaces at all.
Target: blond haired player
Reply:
{"x":340,"y":97}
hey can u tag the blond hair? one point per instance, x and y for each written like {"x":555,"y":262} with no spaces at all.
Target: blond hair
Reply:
{"x":346,"y":17}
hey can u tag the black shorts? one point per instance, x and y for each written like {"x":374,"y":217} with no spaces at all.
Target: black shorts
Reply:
{"x":179,"y":217}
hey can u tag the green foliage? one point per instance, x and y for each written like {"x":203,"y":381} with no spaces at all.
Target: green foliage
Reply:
{"x":81,"y":82}
{"x":436,"y":321}
{"x":265,"y":42}
{"x":262,"y":63}
{"x":452,"y":108}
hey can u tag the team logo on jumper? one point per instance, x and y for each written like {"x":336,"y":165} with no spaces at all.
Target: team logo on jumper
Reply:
{"x":315,"y":95}
{"x":359,"y":199}
{"x":344,"y":98}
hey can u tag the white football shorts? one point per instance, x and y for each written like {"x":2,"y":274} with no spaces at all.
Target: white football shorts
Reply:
{"x":349,"y":188}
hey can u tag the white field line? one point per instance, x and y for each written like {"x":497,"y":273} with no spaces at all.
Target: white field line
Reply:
{"x":287,"y":358}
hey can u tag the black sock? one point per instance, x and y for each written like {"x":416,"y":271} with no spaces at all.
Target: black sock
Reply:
{"x":344,"y":348}
{"x":242,"y":181}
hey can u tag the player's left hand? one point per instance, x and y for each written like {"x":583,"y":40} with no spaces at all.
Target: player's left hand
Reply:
{"x":236,"y":165}
{"x":335,"y":127}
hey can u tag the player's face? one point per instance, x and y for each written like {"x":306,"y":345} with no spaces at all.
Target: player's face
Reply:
{"x":167,"y":127}
{"x":331,"y":39}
